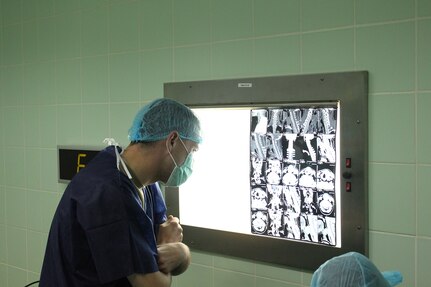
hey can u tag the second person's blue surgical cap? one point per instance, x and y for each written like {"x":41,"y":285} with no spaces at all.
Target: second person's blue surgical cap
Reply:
{"x":353,"y":270}
{"x":160,"y":117}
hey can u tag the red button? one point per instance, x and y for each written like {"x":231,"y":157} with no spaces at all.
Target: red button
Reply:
{"x":348,"y":186}
{"x":348,"y":162}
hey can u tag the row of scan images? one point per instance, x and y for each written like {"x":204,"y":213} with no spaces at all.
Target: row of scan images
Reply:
{"x":293,"y":212}
{"x":311,"y":228}
{"x":294,"y":148}
{"x":294,"y":120}
{"x":293,"y":200}
{"x":277,"y":172}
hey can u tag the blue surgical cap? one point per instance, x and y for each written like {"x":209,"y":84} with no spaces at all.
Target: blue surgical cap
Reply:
{"x":160,"y":117}
{"x":353,"y":270}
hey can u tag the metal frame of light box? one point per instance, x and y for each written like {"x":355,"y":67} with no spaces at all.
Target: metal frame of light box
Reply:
{"x":350,"y":90}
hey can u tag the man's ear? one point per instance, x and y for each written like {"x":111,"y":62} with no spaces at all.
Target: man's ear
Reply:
{"x":172,"y":137}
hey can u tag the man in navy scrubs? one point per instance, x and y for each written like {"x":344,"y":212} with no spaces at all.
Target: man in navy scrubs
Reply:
{"x":110,"y":227}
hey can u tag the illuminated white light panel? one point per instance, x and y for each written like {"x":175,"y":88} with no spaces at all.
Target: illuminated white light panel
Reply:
{"x":269,"y":171}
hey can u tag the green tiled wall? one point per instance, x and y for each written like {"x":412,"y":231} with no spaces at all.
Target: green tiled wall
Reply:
{"x":273,"y":17}
{"x":388,"y":52}
{"x":369,"y":11}
{"x":75,"y":72}
{"x":328,"y":51}
{"x":321,"y":14}
{"x":399,"y":120}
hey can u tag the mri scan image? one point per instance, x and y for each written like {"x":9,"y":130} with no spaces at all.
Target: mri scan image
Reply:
{"x":293,"y":173}
{"x":259,"y":221}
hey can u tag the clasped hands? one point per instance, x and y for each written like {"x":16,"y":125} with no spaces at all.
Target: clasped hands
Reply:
{"x":173,"y":255}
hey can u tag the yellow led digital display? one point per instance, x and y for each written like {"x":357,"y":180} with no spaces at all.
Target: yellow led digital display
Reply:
{"x":71,"y":160}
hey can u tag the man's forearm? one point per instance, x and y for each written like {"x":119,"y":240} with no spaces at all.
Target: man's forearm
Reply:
{"x":185,"y":263}
{"x":173,"y":258}
{"x":156,"y":279}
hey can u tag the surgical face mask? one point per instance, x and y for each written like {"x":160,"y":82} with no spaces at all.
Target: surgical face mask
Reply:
{"x":181,"y":173}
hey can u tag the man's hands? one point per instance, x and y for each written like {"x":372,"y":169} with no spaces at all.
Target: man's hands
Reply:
{"x":170,"y":231}
{"x":174,"y":256}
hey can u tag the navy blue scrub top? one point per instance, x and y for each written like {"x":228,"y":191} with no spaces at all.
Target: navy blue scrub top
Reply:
{"x":100,"y":233}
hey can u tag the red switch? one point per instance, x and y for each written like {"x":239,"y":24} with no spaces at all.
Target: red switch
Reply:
{"x":348,"y":186}
{"x":348,"y":162}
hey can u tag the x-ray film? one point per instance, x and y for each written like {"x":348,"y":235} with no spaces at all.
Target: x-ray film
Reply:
{"x":293,"y":173}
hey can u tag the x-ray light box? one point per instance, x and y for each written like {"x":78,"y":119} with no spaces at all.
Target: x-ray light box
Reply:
{"x":281,"y":174}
